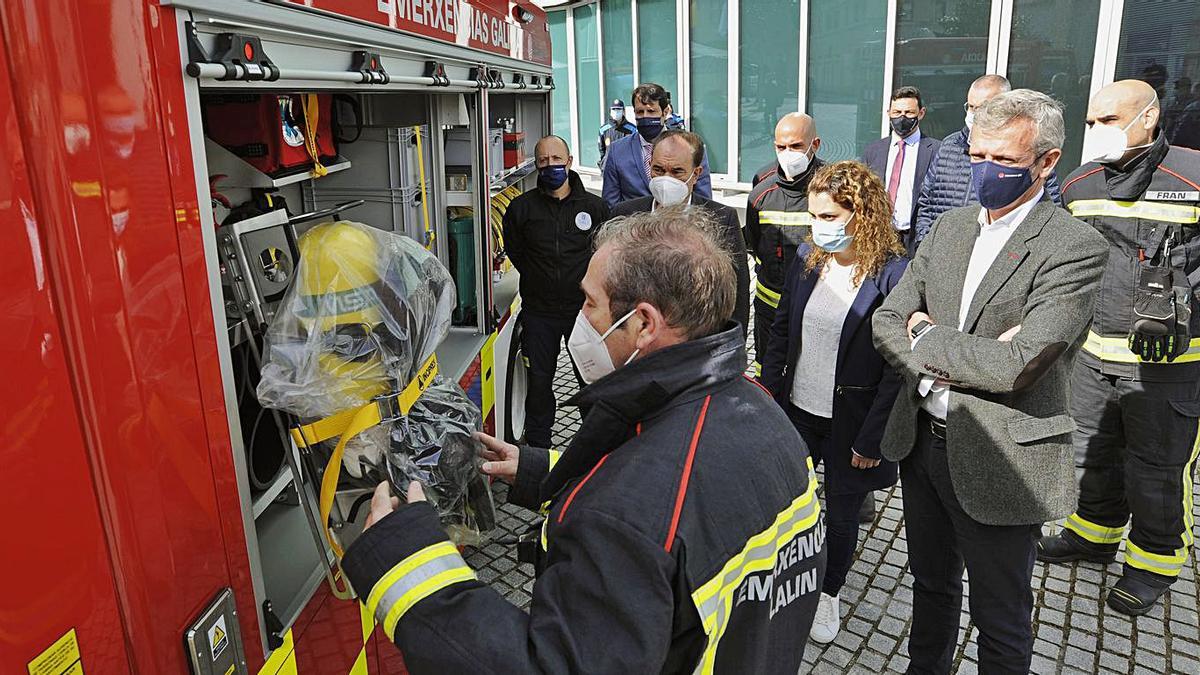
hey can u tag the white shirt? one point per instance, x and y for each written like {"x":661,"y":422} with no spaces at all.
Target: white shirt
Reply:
{"x":991,"y":240}
{"x":820,"y":336}
{"x":902,"y":213}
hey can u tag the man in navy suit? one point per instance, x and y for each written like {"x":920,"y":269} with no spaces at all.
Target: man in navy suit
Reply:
{"x":902,"y":159}
{"x":627,"y":165}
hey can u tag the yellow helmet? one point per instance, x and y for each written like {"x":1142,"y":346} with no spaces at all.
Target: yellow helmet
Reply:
{"x":341,"y":263}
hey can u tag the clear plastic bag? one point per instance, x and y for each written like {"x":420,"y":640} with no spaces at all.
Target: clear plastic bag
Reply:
{"x":366,"y":310}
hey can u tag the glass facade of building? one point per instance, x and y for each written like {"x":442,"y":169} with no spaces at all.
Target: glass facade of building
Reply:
{"x":941,"y":47}
{"x":658,"y":56}
{"x":1052,"y":50}
{"x":590,"y":109}
{"x":768,"y":77}
{"x":845,"y":74}
{"x":838,"y":61}
{"x":617,"y":28}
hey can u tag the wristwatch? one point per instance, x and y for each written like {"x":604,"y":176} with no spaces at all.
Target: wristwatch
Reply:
{"x":920,"y":329}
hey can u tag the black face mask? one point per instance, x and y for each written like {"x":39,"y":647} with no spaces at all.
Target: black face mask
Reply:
{"x":903,"y":125}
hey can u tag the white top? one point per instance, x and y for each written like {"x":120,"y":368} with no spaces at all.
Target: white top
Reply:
{"x":992,"y":238}
{"x":820,"y":337}
{"x":902,"y":213}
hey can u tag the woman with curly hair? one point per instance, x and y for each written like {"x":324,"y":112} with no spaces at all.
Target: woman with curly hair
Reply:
{"x":821,"y":365}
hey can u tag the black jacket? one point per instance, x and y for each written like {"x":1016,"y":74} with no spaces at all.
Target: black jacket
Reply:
{"x":550,"y":243}
{"x":947,"y":184}
{"x":777,"y":223}
{"x":1134,"y":208}
{"x":731,"y":228}
{"x":661,"y":512}
{"x":865,"y":386}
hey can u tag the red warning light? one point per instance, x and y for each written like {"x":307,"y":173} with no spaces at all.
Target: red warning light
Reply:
{"x":374,"y":65}
{"x":248,"y":50}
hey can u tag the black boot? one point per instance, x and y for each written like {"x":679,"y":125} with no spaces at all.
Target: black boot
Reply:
{"x":1063,"y":548}
{"x":866,"y":512}
{"x":1134,"y":594}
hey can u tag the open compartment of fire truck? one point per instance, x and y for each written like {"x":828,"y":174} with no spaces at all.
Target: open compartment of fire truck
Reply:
{"x":298,"y":120}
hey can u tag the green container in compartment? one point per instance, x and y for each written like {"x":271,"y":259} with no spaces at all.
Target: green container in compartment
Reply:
{"x":462,"y":267}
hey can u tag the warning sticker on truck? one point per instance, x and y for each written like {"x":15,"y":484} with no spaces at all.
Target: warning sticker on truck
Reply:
{"x":218,"y":638}
{"x":60,"y":658}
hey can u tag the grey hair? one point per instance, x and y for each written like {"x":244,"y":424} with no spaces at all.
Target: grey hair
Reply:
{"x":673,"y":259}
{"x":1045,"y":113}
{"x":992,"y":80}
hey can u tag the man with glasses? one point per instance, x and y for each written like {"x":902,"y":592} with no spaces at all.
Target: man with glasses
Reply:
{"x":902,"y":158}
{"x":948,"y":183}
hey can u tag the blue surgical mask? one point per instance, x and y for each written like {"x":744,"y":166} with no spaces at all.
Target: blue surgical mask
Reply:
{"x":649,"y":127}
{"x":552,"y":177}
{"x":831,"y":236}
{"x":997,"y":185}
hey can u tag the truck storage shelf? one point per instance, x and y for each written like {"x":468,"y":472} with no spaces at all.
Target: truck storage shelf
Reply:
{"x":242,"y":174}
{"x":460,"y":198}
{"x":513,"y":175}
{"x":267,"y":497}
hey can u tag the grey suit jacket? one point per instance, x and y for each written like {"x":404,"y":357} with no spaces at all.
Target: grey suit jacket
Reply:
{"x":1008,"y":433}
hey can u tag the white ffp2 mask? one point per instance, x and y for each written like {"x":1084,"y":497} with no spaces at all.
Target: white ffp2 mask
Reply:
{"x":793,"y":162}
{"x":1105,"y":143}
{"x":668,"y":190}
{"x":587,"y":348}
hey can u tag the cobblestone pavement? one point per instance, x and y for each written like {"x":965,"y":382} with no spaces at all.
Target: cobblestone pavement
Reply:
{"x":1075,"y":631}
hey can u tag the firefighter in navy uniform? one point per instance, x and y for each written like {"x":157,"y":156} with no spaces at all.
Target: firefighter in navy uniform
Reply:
{"x":777,"y":219}
{"x":1136,"y":383}
{"x":617,"y":127}
{"x":683,"y":531}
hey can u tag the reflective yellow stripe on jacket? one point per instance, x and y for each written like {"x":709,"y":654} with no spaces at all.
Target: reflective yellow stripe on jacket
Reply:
{"x":714,"y":598}
{"x":785,"y":218}
{"x":766,"y":295}
{"x":415,"y":578}
{"x":1116,"y":349}
{"x":1161,"y":211}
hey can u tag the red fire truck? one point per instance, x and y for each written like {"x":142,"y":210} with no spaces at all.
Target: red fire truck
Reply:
{"x":144,"y":253}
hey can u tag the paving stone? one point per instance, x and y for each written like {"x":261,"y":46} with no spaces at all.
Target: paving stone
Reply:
{"x":872,"y":661}
{"x":1114,"y":662}
{"x":837,"y":655}
{"x":1041,"y":664}
{"x":1183,"y":664}
{"x":1078,"y":658}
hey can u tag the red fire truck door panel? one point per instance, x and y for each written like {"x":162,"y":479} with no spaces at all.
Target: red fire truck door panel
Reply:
{"x":57,"y":569}
{"x":84,"y":88}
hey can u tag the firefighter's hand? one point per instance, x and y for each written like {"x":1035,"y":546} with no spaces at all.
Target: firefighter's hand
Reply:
{"x":1009,"y":334}
{"x":1155,"y":348}
{"x":859,"y":462}
{"x":383,"y":503}
{"x":500,"y":458}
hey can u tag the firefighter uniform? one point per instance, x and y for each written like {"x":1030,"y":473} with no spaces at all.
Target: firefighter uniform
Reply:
{"x":777,"y":222}
{"x":672,"y":545}
{"x":1137,"y":440}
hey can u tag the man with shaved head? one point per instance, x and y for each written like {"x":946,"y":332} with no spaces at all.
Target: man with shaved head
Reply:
{"x":777,"y":219}
{"x":948,"y":183}
{"x":1136,"y":383}
{"x":548,"y":234}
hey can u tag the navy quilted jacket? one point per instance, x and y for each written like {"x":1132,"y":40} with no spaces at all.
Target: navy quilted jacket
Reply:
{"x":948,"y":183}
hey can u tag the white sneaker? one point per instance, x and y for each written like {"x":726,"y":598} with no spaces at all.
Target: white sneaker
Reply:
{"x":828,"y":621}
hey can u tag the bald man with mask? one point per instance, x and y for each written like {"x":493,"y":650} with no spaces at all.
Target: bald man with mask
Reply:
{"x":777,"y":218}
{"x":1136,"y":383}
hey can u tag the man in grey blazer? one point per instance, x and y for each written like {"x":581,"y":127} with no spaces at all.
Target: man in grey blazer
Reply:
{"x":984,"y":327}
